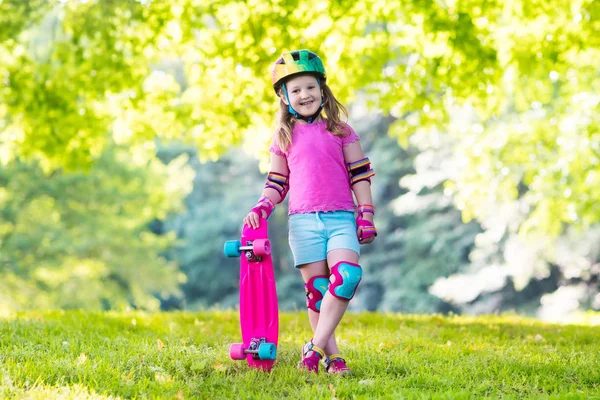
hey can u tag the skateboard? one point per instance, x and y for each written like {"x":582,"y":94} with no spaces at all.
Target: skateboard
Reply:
{"x":259,"y":312}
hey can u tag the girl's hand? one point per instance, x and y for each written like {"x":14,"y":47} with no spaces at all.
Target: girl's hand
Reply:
{"x":368,"y":217}
{"x":252,"y":220}
{"x":366,"y":240}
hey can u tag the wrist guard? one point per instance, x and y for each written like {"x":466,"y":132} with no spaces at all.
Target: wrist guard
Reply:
{"x":264,"y":204}
{"x":368,"y":229}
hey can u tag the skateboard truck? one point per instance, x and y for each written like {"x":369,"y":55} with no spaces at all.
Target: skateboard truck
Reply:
{"x":253,"y":250}
{"x":255,"y":347}
{"x":249,"y":252}
{"x":258,"y":347}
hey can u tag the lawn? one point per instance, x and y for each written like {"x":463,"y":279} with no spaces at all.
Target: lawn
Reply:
{"x":184,"y":355}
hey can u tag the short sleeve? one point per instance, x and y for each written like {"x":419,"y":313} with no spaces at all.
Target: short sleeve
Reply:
{"x":274,"y":148}
{"x":352,"y":136}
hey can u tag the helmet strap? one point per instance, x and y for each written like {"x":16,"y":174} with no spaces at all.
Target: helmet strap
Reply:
{"x":290,"y":108}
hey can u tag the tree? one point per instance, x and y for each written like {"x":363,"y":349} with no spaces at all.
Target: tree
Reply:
{"x":81,"y":240}
{"x":224,"y":191}
{"x":421,"y":235}
{"x":512,"y":84}
{"x":420,"y":60}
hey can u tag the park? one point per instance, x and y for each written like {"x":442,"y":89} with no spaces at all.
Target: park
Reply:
{"x":135,"y":137}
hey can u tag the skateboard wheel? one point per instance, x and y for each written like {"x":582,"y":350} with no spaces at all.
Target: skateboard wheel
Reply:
{"x":232,"y":248}
{"x":261,"y":247}
{"x":267,"y":351}
{"x":236,"y":351}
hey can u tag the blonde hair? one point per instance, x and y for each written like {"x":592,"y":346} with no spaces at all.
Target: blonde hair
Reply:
{"x":331,"y":107}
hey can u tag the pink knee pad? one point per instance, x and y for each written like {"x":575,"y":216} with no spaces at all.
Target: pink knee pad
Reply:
{"x":316,"y":286}
{"x":345,"y":277}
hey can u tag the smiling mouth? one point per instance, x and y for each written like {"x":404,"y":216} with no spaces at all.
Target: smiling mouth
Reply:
{"x":306,"y":103}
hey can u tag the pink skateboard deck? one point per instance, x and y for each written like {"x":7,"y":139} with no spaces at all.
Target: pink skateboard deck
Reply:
{"x":259,"y":311}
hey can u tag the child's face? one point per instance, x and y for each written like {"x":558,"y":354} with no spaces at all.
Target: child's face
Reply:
{"x":304,"y":93}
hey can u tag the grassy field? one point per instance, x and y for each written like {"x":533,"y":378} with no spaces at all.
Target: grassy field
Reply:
{"x":81,"y":355}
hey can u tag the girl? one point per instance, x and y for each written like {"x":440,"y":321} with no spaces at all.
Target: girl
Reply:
{"x":320,"y":160}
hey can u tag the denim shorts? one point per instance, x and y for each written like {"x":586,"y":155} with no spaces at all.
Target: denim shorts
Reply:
{"x":313,"y":235}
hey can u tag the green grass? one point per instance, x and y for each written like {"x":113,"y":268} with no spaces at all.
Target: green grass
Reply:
{"x":82,"y":355}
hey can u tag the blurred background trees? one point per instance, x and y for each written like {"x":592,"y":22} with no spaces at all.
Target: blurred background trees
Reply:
{"x":134,"y":136}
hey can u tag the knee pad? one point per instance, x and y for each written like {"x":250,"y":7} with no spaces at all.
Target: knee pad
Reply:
{"x":316,"y":286}
{"x":345,"y":277}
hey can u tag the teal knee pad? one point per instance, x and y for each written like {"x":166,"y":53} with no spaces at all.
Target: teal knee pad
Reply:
{"x":346,"y":277}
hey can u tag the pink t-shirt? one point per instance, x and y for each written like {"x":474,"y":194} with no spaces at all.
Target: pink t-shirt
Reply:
{"x":318,"y":176}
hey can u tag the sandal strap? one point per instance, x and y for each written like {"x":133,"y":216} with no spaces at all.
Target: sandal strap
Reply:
{"x":334,"y":357}
{"x":311,"y":347}
{"x":317,"y":350}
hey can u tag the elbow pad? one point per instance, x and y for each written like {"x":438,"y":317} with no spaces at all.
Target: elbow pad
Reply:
{"x":278,"y":182}
{"x":360,"y":171}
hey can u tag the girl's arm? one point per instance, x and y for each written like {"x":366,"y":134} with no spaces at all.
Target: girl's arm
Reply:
{"x":278,"y":166}
{"x":353,"y":152}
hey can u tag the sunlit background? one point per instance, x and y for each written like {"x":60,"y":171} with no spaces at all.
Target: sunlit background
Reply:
{"x":134,"y":137}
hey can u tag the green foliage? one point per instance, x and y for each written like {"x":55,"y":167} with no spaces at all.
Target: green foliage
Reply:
{"x":510,"y":86}
{"x":540,"y":141}
{"x":82,"y":240}
{"x":16,"y":16}
{"x":214,"y":211}
{"x":524,"y":72}
{"x":224,"y":191}
{"x":84,"y":68}
{"x":184,"y":355}
{"x":421,"y":235}
{"x":544,"y":276}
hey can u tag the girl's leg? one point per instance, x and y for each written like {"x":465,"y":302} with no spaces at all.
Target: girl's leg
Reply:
{"x":308,"y":271}
{"x":332,"y":308}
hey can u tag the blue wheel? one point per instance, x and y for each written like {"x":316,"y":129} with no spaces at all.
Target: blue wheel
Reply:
{"x":232,"y":248}
{"x":267,"y":351}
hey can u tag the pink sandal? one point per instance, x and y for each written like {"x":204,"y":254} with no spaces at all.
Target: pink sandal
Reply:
{"x":335,"y":364}
{"x":311,"y":356}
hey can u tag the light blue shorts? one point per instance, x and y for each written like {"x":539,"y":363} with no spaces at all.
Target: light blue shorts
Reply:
{"x":313,"y":235}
